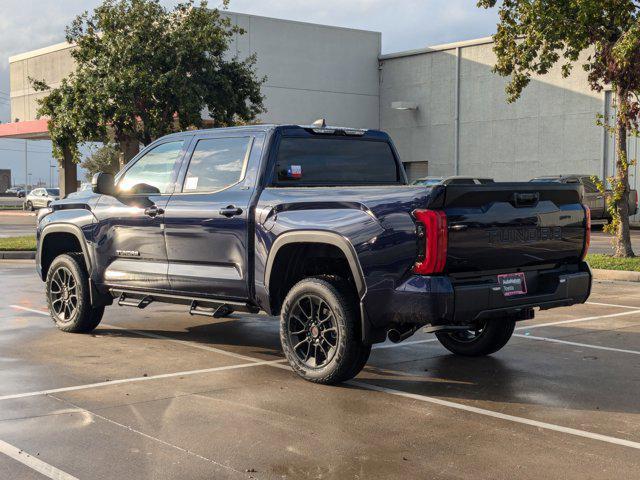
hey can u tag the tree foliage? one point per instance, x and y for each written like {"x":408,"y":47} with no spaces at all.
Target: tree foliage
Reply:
{"x":142,"y":71}
{"x":603,"y":36}
{"x":103,"y":159}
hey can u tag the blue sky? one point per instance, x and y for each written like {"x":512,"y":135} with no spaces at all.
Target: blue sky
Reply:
{"x":405,"y":24}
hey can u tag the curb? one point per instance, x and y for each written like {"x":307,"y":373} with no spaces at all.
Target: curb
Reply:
{"x":18,"y":255}
{"x":618,"y":275}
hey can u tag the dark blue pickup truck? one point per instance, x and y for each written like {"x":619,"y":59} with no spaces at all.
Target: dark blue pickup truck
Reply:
{"x":317,"y":225}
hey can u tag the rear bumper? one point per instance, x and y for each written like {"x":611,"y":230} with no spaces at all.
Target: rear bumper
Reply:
{"x":551,"y":289}
{"x":425,"y":300}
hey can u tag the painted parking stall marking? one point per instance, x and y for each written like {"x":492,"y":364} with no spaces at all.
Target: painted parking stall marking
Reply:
{"x":427,"y":399}
{"x":34,"y":463}
{"x":577,"y":344}
{"x":525,"y":327}
{"x":255,"y":363}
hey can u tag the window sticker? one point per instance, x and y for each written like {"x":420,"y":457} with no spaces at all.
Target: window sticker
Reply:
{"x":294,"y":171}
{"x":191,"y":183}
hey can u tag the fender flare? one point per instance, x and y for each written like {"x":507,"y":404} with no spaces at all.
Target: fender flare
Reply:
{"x":70,"y":229}
{"x":318,"y":236}
{"x":330,"y":238}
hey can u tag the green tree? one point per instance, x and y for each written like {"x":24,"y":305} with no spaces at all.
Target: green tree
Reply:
{"x":142,"y":71}
{"x":104,"y":159}
{"x":601,"y":35}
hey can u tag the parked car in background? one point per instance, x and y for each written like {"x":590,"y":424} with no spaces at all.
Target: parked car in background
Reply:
{"x":41,"y":197}
{"x":13,"y":191}
{"x":593,"y":198}
{"x":316,"y":225}
{"x":455,"y":180}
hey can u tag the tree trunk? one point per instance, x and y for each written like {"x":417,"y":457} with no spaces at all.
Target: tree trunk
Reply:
{"x":67,"y":175}
{"x":129,"y":148}
{"x":622,"y":241}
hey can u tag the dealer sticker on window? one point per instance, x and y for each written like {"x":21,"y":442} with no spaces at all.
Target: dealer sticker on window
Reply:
{"x":513,"y":284}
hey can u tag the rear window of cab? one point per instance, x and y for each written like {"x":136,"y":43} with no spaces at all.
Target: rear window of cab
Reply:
{"x":334,"y":161}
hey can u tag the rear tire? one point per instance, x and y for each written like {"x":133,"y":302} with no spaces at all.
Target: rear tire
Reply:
{"x":68,"y":295}
{"x":491,"y":337}
{"x":319,"y":331}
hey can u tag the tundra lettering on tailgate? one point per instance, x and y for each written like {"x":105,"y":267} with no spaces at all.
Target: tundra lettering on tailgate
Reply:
{"x":524,"y":235}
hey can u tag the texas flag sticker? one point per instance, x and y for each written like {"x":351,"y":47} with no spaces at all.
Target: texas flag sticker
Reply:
{"x":294,"y":171}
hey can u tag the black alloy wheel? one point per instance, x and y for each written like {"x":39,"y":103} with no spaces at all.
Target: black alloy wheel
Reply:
{"x":313,"y":332}
{"x":63,"y":293}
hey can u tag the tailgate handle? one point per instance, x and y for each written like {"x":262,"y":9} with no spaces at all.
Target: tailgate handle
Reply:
{"x":520,"y":200}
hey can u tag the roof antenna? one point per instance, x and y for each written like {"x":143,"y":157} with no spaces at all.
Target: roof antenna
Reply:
{"x":320,"y":123}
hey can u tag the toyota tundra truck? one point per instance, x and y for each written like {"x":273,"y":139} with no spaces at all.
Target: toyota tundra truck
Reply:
{"x":319,"y":226}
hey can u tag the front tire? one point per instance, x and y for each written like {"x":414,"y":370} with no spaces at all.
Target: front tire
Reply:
{"x":68,"y":295}
{"x":488,"y":338}
{"x":319,"y":331}
{"x":30,"y":206}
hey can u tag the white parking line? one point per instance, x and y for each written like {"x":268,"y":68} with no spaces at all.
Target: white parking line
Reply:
{"x":577,"y":320}
{"x":254,"y":363}
{"x":611,"y":305}
{"x":576,"y":344}
{"x":502,"y":416}
{"x":153,"y":335}
{"x":463,"y":407}
{"x":150,"y":437}
{"x":525,"y":327}
{"x":33,"y":463}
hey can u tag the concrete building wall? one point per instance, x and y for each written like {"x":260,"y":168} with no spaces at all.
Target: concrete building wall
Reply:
{"x":312,"y":71}
{"x":551,"y":129}
{"x":50,"y":64}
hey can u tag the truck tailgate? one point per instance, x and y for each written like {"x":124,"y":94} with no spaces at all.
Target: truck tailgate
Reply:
{"x":504,"y":227}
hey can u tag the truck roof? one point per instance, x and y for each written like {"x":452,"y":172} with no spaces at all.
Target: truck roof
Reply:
{"x":269,"y":127}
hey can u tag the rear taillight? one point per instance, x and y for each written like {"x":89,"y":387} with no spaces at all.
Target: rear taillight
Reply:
{"x":587,"y":237}
{"x":431,"y":228}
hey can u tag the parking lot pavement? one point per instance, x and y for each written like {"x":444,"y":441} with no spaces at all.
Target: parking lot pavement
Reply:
{"x":601,"y":242}
{"x":10,"y":201}
{"x":158,"y":394}
{"x":17,"y":224}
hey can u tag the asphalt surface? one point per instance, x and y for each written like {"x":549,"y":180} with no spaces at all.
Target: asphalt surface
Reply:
{"x":17,"y":224}
{"x":10,"y":201}
{"x":601,"y":242}
{"x":157,"y":394}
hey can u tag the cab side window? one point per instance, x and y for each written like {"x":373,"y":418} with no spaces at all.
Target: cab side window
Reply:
{"x":153,"y":173}
{"x":216,"y":163}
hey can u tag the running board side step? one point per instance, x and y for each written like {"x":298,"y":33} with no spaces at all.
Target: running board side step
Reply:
{"x":140,"y":303}
{"x":197,"y":306}
{"x":219,"y":311}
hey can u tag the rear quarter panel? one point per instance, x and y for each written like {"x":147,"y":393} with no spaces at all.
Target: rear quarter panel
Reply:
{"x":377,"y":221}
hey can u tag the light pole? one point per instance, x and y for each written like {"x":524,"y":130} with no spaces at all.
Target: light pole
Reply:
{"x":26,"y":169}
{"x":51,"y":167}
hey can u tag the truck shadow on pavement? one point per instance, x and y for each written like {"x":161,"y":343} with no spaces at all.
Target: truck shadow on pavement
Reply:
{"x":524,"y":373}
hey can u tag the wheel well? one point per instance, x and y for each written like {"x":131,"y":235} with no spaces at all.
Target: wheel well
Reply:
{"x":55,"y":244}
{"x":296,"y":261}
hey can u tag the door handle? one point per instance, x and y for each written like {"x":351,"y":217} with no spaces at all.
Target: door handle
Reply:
{"x":230,"y":211}
{"x":153,"y":211}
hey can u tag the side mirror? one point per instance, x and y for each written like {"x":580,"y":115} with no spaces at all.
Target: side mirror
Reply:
{"x":103,"y":184}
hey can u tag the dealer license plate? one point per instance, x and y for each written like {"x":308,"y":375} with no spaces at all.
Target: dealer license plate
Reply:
{"x":512,"y":284}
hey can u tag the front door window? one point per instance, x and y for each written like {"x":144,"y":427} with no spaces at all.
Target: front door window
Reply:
{"x":153,"y":173}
